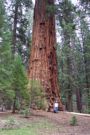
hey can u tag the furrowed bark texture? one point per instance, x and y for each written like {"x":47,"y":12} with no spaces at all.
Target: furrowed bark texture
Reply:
{"x":43,"y":65}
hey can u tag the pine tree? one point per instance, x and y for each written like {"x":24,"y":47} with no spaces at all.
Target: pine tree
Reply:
{"x":19,"y":83}
{"x":6,"y":91}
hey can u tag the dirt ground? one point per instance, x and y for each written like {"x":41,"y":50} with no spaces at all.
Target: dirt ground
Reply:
{"x":61,"y":121}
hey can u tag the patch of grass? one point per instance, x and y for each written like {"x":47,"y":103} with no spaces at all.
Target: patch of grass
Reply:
{"x":11,"y":123}
{"x":33,"y":128}
{"x":21,"y":131}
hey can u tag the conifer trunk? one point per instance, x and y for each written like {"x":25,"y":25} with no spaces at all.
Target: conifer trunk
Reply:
{"x":43,"y":65}
{"x":14,"y":29}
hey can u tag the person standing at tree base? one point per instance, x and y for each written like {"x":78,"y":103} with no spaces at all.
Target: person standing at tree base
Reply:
{"x":55,"y":107}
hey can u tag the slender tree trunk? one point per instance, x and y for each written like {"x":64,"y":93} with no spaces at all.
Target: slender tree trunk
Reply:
{"x":14,"y":105}
{"x":70,"y":88}
{"x":78,"y":99}
{"x":69,"y":103}
{"x":14,"y":29}
{"x":14,"y":43}
{"x":43,"y":65}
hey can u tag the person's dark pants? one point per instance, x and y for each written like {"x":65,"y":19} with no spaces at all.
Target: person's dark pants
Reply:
{"x":55,"y":109}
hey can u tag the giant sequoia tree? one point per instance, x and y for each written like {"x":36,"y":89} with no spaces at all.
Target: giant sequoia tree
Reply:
{"x":43,"y":65}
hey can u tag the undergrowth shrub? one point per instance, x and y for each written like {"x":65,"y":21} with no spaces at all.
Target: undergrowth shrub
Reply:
{"x":25,"y":112}
{"x":37,"y":95}
{"x":73,"y":121}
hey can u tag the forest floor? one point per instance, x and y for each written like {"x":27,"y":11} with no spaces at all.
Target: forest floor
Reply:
{"x":46,"y":123}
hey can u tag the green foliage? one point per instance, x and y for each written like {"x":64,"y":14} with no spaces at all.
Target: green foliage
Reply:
{"x":21,"y":31}
{"x":66,"y":11}
{"x":50,"y":9}
{"x":26,"y":112}
{"x":2,"y":12}
{"x":37,"y":95}
{"x":17,"y":104}
{"x":6,"y":91}
{"x":73,"y":121}
{"x":73,"y":53}
{"x":13,"y":77}
{"x":20,"y":81}
{"x":87,"y":111}
{"x":6,"y":64}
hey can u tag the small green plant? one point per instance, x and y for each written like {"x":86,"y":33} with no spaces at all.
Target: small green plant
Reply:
{"x":25,"y":112}
{"x":11,"y":124}
{"x":73,"y":121}
{"x":37,"y":95}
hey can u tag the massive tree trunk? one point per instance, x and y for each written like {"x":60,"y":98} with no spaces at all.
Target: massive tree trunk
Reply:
{"x":43,"y":65}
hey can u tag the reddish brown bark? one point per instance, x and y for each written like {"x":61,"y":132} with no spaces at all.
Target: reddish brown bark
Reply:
{"x":43,"y":65}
